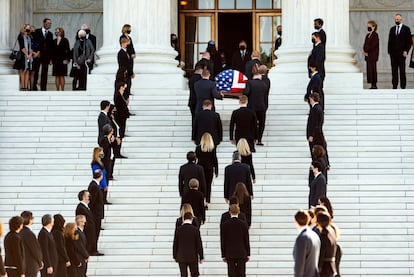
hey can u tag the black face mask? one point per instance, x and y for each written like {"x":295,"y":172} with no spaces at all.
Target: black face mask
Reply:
{"x":242,"y":47}
{"x":174,"y":41}
{"x":369,"y":29}
{"x":313,"y":40}
{"x":82,"y":38}
{"x":128,"y":32}
{"x":279,"y":33}
{"x":87,"y":31}
{"x":397,"y":23}
{"x":27,"y":31}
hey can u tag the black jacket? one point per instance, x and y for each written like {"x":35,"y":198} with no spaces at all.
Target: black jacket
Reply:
{"x":33,"y":252}
{"x":48,"y":246}
{"x":187,"y":172}
{"x":187,"y":246}
{"x":210,"y":122}
{"x":245,"y":121}
{"x":234,"y":173}
{"x":235,"y":239}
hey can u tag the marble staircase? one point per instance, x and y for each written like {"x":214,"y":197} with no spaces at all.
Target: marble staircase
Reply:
{"x":46,"y":142}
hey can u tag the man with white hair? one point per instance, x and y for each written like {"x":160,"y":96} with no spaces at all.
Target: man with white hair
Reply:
{"x":83,"y":52}
{"x":92,"y":38}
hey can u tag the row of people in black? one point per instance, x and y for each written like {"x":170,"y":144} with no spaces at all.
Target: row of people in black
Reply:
{"x":59,"y":249}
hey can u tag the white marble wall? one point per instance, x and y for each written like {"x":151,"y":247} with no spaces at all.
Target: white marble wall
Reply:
{"x":382,"y":11}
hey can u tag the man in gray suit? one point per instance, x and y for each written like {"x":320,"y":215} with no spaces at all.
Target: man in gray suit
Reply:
{"x":307,"y":247}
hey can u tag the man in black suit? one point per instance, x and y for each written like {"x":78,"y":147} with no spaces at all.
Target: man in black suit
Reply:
{"x":192,"y":99}
{"x":314,"y":85}
{"x":189,"y":171}
{"x":107,"y":143}
{"x":317,"y":188}
{"x":14,"y":260}
{"x":243,"y":124}
{"x":125,"y":65}
{"x":92,"y":38}
{"x":235,"y":173}
{"x":45,"y":40}
{"x":314,"y":133}
{"x":188,"y":247}
{"x":278,"y":41}
{"x":207,"y":121}
{"x":196,"y":199}
{"x":48,"y":246}
{"x":317,"y":24}
{"x":103,"y":118}
{"x":227,"y":215}
{"x":96,"y":200}
{"x":235,"y":245}
{"x":90,"y":229}
{"x":205,"y":89}
{"x":399,"y":44}
{"x":82,"y":245}
{"x":317,"y":55}
{"x":32,"y":250}
{"x":241,"y":57}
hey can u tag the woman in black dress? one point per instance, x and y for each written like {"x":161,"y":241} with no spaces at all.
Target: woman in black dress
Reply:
{"x":207,"y":158}
{"x":371,"y":53}
{"x":246,"y":156}
{"x":57,"y":232}
{"x":60,"y":58}
{"x":71,"y":245}
{"x":121,"y":104}
{"x":245,"y":201}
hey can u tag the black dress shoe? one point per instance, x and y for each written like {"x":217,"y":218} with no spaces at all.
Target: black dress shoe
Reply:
{"x":122,"y":157}
{"x":102,"y":228}
{"x":96,"y":254}
{"x":107,"y":203}
{"x":132,"y":114}
{"x":260,"y":143}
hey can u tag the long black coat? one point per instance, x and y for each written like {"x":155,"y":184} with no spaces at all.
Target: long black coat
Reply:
{"x":187,"y":246}
{"x":210,"y":122}
{"x":33,"y":252}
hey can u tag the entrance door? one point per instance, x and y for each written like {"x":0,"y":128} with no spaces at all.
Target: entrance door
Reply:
{"x":234,"y":27}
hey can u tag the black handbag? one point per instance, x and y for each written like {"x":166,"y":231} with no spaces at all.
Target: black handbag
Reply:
{"x":15,"y":54}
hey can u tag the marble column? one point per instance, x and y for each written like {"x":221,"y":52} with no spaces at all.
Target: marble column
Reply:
{"x":151,"y":27}
{"x":297,"y":21}
{"x":5,"y":48}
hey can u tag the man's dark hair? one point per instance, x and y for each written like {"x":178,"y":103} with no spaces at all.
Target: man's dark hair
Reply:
{"x":97,"y":174}
{"x":15,"y":222}
{"x":191,"y":156}
{"x":27,"y":216}
{"x":81,"y":193}
{"x":319,"y":21}
{"x":233,"y":200}
{"x":46,"y":19}
{"x":302,"y":217}
{"x":316,"y":34}
{"x":315,"y":96}
{"x":317,"y":165}
{"x":46,"y":219}
{"x":313,"y":63}
{"x":104,"y":104}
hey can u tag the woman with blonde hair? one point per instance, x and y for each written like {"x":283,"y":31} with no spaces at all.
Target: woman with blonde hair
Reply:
{"x":245,"y":201}
{"x":71,"y":240}
{"x":207,"y":157}
{"x":97,"y":163}
{"x":246,"y":156}
{"x":25,"y":63}
{"x":186,"y":208}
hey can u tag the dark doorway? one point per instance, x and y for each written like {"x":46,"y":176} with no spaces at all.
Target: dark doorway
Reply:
{"x":233,"y":27}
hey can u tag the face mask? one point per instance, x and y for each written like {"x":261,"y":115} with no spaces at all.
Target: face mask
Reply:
{"x":27,"y":30}
{"x":369,"y":29}
{"x":56,"y":33}
{"x":242,"y":47}
{"x":128,"y":32}
{"x":82,"y":38}
{"x":397,"y":23}
{"x":279,"y":33}
{"x":47,"y":26}
{"x":313,"y":40}
{"x":87,"y":31}
{"x":101,"y":155}
{"x":174,"y":41}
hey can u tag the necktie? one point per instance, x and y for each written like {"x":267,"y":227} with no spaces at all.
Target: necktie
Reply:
{"x":45,"y":33}
{"x":398,"y":30}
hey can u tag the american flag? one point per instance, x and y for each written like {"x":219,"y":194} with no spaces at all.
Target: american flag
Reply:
{"x":231,"y":80}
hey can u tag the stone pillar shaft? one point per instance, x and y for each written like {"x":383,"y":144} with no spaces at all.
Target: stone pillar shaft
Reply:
{"x":5,"y":63}
{"x":297,"y":21}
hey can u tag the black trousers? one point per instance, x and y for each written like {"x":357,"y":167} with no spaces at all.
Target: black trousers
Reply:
{"x":193,"y":269}
{"x":372,"y":72}
{"x":398,"y":64}
{"x":319,"y":140}
{"x":236,"y":267}
{"x":81,"y":75}
{"x":261,"y":119}
{"x":208,"y":174}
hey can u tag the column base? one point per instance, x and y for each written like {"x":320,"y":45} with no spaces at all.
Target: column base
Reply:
{"x":6,"y":65}
{"x":294,"y":60}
